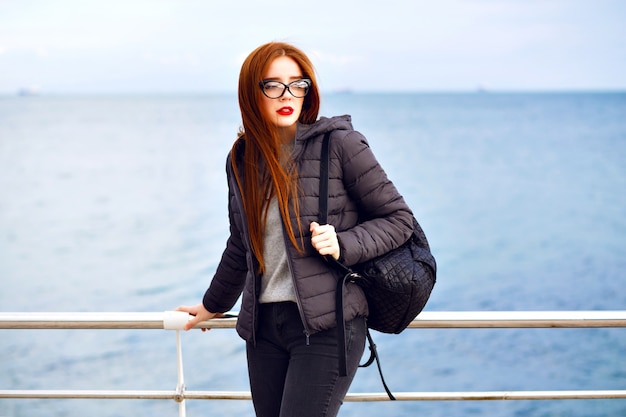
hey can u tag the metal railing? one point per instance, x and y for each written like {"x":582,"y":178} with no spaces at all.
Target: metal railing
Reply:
{"x":172,"y":320}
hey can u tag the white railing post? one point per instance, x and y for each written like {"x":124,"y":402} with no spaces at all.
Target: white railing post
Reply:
{"x":176,"y":320}
{"x":180,"y":388}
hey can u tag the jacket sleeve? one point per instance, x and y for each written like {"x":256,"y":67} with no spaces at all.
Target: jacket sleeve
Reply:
{"x":385,"y":220}
{"x":230,"y":276}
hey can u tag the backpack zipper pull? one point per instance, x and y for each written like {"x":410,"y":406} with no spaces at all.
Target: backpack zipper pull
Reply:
{"x":307,"y":335}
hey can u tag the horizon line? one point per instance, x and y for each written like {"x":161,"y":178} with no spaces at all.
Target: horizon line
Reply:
{"x":53,"y":93}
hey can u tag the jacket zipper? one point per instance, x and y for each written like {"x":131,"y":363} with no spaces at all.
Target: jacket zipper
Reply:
{"x":297,"y":152}
{"x":307,"y":331}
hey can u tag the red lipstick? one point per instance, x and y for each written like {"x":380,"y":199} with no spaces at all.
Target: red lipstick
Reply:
{"x":285,"y":111}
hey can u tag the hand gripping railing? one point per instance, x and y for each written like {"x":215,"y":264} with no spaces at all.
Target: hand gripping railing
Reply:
{"x":173,"y":320}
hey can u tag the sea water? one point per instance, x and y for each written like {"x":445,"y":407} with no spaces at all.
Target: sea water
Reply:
{"x":120,"y":204}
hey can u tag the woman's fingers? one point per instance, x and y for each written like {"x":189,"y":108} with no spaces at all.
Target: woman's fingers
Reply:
{"x":199,"y":314}
{"x":324,"y":239}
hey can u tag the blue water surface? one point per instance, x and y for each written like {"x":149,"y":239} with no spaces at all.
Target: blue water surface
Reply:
{"x":119,"y":204}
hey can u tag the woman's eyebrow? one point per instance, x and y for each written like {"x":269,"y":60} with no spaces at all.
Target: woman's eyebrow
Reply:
{"x":292,"y":78}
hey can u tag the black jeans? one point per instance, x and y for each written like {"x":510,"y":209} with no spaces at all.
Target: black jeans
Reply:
{"x":290,"y":378}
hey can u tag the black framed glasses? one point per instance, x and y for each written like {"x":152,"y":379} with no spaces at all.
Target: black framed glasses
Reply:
{"x":276,"y":89}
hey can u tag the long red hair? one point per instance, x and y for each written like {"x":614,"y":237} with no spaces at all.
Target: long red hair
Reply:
{"x":263,"y":175}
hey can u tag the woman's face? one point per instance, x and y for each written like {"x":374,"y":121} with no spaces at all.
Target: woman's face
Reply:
{"x":283,"y":112}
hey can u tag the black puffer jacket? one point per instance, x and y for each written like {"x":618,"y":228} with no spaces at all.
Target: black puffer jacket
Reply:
{"x":368,"y":213}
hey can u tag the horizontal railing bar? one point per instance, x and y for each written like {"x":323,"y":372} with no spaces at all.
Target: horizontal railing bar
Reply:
{"x":427,"y":319}
{"x":80,"y":320}
{"x":352,"y":397}
{"x":489,"y":395}
{"x":519,"y":319}
{"x":90,"y":394}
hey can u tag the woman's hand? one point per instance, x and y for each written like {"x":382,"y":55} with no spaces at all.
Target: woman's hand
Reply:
{"x":200,"y":314}
{"x":324,"y":239}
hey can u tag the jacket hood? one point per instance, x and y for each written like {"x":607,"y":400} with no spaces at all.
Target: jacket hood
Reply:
{"x":323,"y":125}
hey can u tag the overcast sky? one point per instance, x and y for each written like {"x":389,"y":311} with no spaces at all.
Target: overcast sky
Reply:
{"x":109,"y":46}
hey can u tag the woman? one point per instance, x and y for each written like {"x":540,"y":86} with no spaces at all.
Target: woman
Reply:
{"x":273,"y":254}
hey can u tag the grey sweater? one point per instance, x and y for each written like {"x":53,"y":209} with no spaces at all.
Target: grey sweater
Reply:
{"x":276,"y":282}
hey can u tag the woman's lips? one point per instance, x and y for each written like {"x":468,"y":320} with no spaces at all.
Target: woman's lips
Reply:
{"x":285,"y":111}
